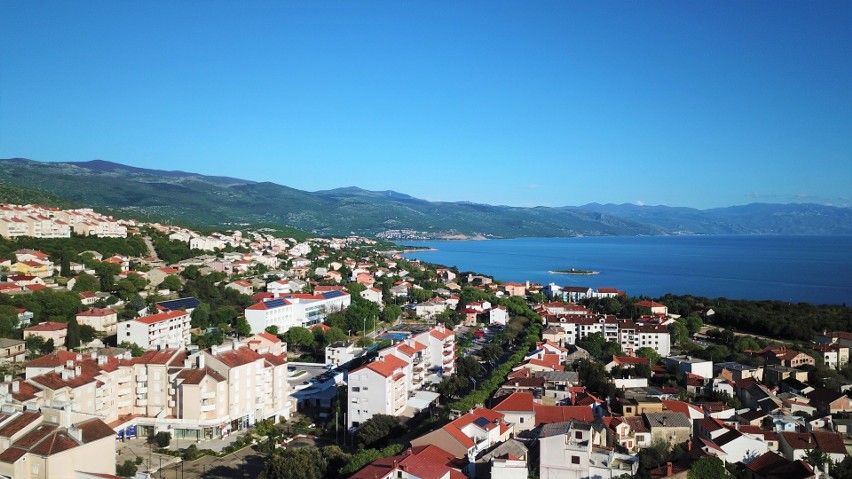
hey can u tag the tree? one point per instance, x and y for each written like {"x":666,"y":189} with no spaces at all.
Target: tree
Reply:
{"x":299,"y":336}
{"x":73,"y":337}
{"x":378,"y":429}
{"x":679,"y":333}
{"x":86,"y":282}
{"x":161,"y":439}
{"x":87,"y":333}
{"x":391,"y":313}
{"x":594,"y":377}
{"x":135,"y":349}
{"x":364,"y":342}
{"x":128,"y":469}
{"x":334,"y":335}
{"x":126,"y":289}
{"x":708,"y":467}
{"x":172,"y":282}
{"x":303,"y":463}
{"x":8,"y":320}
{"x":648,"y":353}
{"x":200,"y":317}
{"x":48,"y":347}
{"x":273,"y":330}
{"x":243,"y":328}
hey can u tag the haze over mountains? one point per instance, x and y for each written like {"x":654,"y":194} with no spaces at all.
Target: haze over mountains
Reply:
{"x":214,"y":200}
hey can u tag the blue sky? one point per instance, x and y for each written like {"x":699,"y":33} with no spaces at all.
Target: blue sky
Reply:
{"x":700,"y":104}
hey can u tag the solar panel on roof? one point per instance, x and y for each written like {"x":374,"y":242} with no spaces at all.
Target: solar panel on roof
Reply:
{"x":181,"y":303}
{"x":275,"y":303}
{"x":332,"y":294}
{"x":481,"y":422}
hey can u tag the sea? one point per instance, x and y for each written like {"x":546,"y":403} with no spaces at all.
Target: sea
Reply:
{"x":810,"y":269}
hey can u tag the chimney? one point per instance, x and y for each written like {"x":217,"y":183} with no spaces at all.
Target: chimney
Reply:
{"x":668,"y":469}
{"x":16,"y":387}
{"x":69,"y":363}
{"x":201,"y":361}
{"x":94,"y":356}
{"x":76,"y":433}
{"x":78,"y":371}
{"x":79,"y":357}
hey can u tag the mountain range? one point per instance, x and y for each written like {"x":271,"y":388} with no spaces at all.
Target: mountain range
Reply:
{"x":214,"y":200}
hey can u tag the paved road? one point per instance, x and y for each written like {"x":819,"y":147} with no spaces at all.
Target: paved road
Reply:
{"x":151,"y":251}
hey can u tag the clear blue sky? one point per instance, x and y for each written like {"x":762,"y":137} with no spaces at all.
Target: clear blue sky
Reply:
{"x":692,"y":103}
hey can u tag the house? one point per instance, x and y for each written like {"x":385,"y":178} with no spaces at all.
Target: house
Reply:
{"x":469,"y":436}
{"x":166,"y":330}
{"x":340,"y":352}
{"x":656,"y":308}
{"x":626,"y":362}
{"x":103,"y":320}
{"x":241,"y":286}
{"x":12,"y":350}
{"x":787,"y":357}
{"x":49,"y":330}
{"x":518,"y":409}
{"x":498,"y":316}
{"x":515,"y":289}
{"x":372,"y":294}
{"x":770,"y":465}
{"x":671,"y":427}
{"x":794,"y":445}
{"x":414,"y":463}
{"x":566,"y":452}
{"x":828,"y":401}
{"x":835,"y":356}
{"x":691,"y":365}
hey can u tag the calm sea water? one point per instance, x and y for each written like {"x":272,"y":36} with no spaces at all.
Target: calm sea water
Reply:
{"x":813,"y":269}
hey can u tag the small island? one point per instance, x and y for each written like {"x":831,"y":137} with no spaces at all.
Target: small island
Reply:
{"x":581,"y":272}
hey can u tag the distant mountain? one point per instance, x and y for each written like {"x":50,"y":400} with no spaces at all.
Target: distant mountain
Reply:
{"x":210,"y":200}
{"x":755,"y":218}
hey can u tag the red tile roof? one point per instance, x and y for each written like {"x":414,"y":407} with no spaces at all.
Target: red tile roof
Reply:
{"x":46,"y":326}
{"x":238,"y":357}
{"x":19,"y":423}
{"x":156,"y":318}
{"x":521,"y":401}
{"x":552,"y":414}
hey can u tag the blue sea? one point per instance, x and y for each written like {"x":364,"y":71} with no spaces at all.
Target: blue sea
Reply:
{"x":811,"y":269}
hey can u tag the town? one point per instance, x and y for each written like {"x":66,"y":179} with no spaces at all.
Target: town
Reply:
{"x":143,"y":349}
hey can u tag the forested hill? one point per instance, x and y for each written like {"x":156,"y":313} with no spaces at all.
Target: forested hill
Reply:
{"x":214,"y":201}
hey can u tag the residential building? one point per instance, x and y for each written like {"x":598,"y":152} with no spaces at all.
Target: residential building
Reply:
{"x":163,"y":330}
{"x":566,"y":452}
{"x":102,"y":320}
{"x":378,"y":387}
{"x":12,"y":350}
{"x":49,"y":331}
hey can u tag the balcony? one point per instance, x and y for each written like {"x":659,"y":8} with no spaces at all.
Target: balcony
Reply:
{"x":141,"y":389}
{"x":208,"y":395}
{"x":141,"y":378}
{"x":208,"y":407}
{"x":141,"y":402}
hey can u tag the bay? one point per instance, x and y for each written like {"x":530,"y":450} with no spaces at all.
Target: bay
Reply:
{"x":812,"y":269}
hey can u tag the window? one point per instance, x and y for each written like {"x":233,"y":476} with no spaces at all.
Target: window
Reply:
{"x":575,"y":459}
{"x":522,"y":419}
{"x":578,"y":435}
{"x":356,"y":389}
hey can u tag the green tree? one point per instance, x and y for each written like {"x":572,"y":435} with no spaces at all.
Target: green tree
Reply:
{"x":334,"y":335}
{"x":73,"y":338}
{"x":172,"y":282}
{"x":679,"y":334}
{"x":47,"y":347}
{"x":391,"y":313}
{"x":200,"y":317}
{"x":708,"y":467}
{"x":87,"y":333}
{"x":694,"y":324}
{"x":127,"y":469}
{"x":594,"y":377}
{"x":378,"y":429}
{"x":272,"y":330}
{"x":303,"y":463}
{"x":648,"y":353}
{"x":161,"y":439}
{"x":126,"y":289}
{"x":242,"y":328}
{"x":86,"y":282}
{"x":364,"y":342}
{"x":8,"y":320}
{"x":300,"y":337}
{"x":135,"y":349}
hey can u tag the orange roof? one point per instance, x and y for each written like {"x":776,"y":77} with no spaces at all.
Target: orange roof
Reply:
{"x":156,"y":318}
{"x":47,"y":326}
{"x":517,"y":401}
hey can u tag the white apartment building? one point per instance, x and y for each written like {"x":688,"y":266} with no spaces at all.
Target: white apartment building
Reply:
{"x":293,"y":310}
{"x":630,"y":335}
{"x":377,"y":388}
{"x":163,"y":330}
{"x":567,"y":452}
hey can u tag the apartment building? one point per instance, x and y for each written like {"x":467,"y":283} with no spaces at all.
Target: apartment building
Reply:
{"x":49,"y":331}
{"x":102,"y":320}
{"x":291,"y":310}
{"x":54,"y":443}
{"x":163,"y":330}
{"x":379,"y":387}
